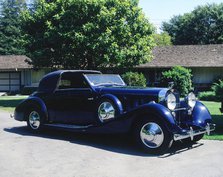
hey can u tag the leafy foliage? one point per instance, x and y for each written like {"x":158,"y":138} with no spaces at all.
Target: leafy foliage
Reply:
{"x":202,"y":26}
{"x":87,"y":34}
{"x":135,"y":2}
{"x":162,"y":39}
{"x":218,"y":89}
{"x":181,"y":77}
{"x":10,"y":27}
{"x":207,"y":96}
{"x":134,"y":79}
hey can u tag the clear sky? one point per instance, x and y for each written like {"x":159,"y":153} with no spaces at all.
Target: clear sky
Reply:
{"x":162,"y":10}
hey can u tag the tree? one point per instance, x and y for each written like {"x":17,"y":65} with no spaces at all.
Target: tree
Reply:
{"x":204,"y":25}
{"x":181,"y":78}
{"x":162,"y":39}
{"x":87,"y":34}
{"x":135,"y":2}
{"x":10,"y":29}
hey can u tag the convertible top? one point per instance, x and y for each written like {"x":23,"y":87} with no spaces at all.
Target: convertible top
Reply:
{"x":49,"y":82}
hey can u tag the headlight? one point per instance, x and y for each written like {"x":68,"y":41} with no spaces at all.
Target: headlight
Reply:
{"x":191,"y":100}
{"x":171,"y":101}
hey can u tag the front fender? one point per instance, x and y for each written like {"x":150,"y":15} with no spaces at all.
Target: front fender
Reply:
{"x":160,"y":112}
{"x":200,"y":115}
{"x":26,"y":104}
{"x":125,"y":122}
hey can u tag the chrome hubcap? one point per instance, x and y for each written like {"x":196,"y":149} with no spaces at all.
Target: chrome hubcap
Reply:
{"x":106,"y":111}
{"x":152,"y":135}
{"x":34,"y":120}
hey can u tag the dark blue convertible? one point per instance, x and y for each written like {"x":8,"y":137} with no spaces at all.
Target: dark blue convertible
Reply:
{"x":88,"y":101}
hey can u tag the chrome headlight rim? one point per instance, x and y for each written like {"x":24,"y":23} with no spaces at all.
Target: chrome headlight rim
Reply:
{"x":171,"y":101}
{"x":191,"y":100}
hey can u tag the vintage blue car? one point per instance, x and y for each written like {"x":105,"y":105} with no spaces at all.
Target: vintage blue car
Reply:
{"x":89,"y":101}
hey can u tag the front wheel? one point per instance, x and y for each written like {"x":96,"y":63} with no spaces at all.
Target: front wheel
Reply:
{"x":34,"y":120}
{"x":152,"y":136}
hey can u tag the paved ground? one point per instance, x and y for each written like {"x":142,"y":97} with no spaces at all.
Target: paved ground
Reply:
{"x":65,"y":154}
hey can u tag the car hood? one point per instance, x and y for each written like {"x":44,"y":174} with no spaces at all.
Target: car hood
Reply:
{"x":133,"y":91}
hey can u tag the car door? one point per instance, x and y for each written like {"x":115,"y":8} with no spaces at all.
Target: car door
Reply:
{"x":73,"y":102}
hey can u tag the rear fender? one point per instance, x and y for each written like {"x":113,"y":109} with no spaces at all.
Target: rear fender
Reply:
{"x":32,"y":101}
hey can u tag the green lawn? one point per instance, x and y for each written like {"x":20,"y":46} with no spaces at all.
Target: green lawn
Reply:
{"x":217,"y":119}
{"x":8,"y":103}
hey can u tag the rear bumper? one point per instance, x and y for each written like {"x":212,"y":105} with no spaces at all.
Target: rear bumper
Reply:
{"x":192,"y":133}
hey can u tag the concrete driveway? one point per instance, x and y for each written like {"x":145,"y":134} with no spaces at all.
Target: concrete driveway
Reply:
{"x":55,"y":153}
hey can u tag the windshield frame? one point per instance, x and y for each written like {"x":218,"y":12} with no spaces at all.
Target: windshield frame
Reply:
{"x":105,"y":84}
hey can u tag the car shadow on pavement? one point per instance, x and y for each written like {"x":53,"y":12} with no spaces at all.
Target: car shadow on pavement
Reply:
{"x":114,"y":143}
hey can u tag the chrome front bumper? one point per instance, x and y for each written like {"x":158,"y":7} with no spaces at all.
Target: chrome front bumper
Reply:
{"x":192,"y":133}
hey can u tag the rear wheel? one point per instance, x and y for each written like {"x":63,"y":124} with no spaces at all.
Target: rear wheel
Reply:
{"x":34,"y":119}
{"x":152,"y":136}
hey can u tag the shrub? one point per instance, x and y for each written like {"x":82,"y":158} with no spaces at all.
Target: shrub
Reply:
{"x":181,"y":78}
{"x":217,"y":79}
{"x":134,"y":79}
{"x":207,"y":96}
{"x":218,"y":89}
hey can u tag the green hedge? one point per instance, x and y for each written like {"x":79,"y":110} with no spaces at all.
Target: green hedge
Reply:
{"x":134,"y":79}
{"x":207,"y":96}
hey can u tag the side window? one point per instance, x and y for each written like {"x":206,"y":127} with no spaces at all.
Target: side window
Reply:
{"x":72,"y":80}
{"x":64,"y":84}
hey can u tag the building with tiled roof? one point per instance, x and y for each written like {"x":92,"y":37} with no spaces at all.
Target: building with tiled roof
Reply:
{"x":205,"y":61}
{"x":16,"y":73}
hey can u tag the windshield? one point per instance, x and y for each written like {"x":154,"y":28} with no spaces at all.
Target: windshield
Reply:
{"x":105,"y":79}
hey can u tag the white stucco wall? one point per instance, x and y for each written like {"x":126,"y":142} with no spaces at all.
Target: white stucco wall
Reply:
{"x":206,"y":75}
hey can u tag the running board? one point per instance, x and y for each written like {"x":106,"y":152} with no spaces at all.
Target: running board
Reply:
{"x":69,"y":126}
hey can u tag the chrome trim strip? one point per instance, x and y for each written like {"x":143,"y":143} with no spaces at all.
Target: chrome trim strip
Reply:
{"x":180,"y":109}
{"x":191,"y":133}
{"x":69,"y":126}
